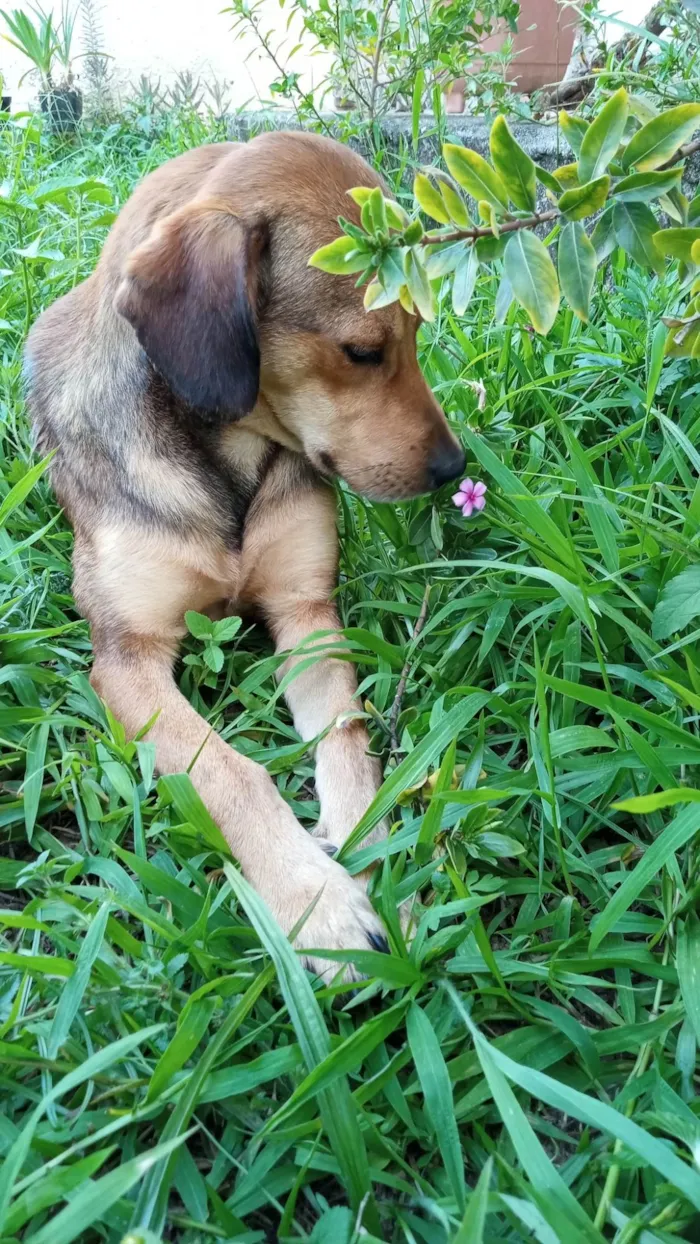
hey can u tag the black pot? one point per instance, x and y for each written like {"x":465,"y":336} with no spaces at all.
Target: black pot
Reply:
{"x":5,"y":103}
{"x":63,"y":107}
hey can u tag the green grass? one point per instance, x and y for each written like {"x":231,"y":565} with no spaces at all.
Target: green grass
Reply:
{"x":526,"y":1068}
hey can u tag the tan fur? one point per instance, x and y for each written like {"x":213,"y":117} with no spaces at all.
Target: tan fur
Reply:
{"x":197,"y":388}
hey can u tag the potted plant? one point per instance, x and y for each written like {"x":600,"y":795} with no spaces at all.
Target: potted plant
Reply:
{"x":5,"y":100}
{"x":48,"y":46}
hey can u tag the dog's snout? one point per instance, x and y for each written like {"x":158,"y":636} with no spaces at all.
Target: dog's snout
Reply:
{"x":446,"y":464}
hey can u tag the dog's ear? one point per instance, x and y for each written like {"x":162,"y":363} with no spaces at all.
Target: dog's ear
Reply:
{"x":190,"y":292}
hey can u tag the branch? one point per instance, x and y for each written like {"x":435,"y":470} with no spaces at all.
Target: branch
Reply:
{"x":377,"y":54}
{"x":511,"y":226}
{"x":398,"y":698}
{"x":682,"y":154}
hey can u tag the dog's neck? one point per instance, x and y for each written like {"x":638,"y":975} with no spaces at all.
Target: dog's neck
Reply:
{"x":263,"y":421}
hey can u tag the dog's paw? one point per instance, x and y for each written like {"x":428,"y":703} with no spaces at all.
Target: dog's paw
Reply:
{"x":342,"y":917}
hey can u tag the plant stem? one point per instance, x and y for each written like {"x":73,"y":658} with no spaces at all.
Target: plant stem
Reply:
{"x":377,"y":57}
{"x":511,"y":226}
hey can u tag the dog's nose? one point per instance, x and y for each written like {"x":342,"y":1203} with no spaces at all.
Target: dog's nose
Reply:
{"x":446,"y":464}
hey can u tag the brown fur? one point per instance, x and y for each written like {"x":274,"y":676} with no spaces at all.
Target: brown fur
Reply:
{"x":197,"y":389}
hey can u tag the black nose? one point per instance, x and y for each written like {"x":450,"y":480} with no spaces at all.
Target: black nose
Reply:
{"x":446,"y":464}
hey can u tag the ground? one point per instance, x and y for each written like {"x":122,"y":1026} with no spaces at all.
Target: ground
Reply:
{"x":526,"y":1067}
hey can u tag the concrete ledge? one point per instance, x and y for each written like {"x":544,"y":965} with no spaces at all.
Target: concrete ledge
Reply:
{"x":545,"y":144}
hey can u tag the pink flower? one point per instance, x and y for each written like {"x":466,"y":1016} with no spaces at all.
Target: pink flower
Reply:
{"x":471,"y":497}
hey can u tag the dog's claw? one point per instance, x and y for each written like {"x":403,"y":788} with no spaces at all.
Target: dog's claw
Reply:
{"x":329,"y":847}
{"x":378,"y":942}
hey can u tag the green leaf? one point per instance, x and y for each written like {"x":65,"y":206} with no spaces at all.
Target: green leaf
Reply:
{"x":74,"y":989}
{"x":464,"y":280}
{"x":635,"y":228}
{"x":603,"y":237}
{"x":34,"y":774}
{"x":475,"y":175}
{"x":471,"y":1228}
{"x":513,"y":165}
{"x":585,"y":200}
{"x":576,"y":262}
{"x":688,"y":967}
{"x":660,"y":799}
{"x":574,"y":130}
{"x":454,"y":203}
{"x":198,"y":624}
{"x":416,"y":105}
{"x":660,"y":139}
{"x":93,"y":1200}
{"x":643,"y":187}
{"x":338,"y":1110}
{"x":533,"y":278}
{"x":433,"y":816}
{"x":677,"y":243}
{"x":22,"y":488}
{"x":595,"y":1113}
{"x":603,"y":137}
{"x":54,"y":1186}
{"x":418,"y":285}
{"x":342,"y":257}
{"x":678,"y":604}
{"x":555,"y":1200}
{"x":193,"y":1024}
{"x":437,"y":1096}
{"x":429,"y":199}
{"x":547,"y":180}
{"x":684,"y":827}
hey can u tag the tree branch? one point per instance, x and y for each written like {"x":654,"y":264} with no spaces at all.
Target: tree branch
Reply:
{"x":511,"y":226}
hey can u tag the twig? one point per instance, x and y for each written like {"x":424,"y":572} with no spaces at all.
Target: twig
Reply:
{"x":682,"y":154}
{"x":398,"y":698}
{"x":457,"y":235}
{"x":377,"y":56}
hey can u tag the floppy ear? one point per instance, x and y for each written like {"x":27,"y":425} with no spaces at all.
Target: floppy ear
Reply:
{"x":190,"y":291}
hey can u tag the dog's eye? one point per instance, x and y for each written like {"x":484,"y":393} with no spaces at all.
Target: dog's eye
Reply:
{"x":360,"y":354}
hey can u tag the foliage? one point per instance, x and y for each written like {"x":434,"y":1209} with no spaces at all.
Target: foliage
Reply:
{"x":526,"y":1068}
{"x":615,"y":178}
{"x":45,"y":41}
{"x":401,"y":53}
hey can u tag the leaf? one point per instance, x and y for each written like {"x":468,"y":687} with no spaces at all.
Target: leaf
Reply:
{"x":416,"y":106}
{"x":454,"y":203}
{"x":429,"y":199}
{"x":464,"y":280}
{"x":437,"y":1096}
{"x":585,"y":200}
{"x":475,"y":175}
{"x":432,"y":817}
{"x":678,"y":243}
{"x":576,"y":261}
{"x":198,"y":624}
{"x":555,"y":1200}
{"x":191,"y":1028}
{"x":22,"y":488}
{"x":74,"y":989}
{"x":635,"y":228}
{"x":93,"y":1200}
{"x":595,"y":1113}
{"x":547,"y":180}
{"x":660,"y":799}
{"x":418,"y":285}
{"x":34,"y":774}
{"x":688,"y":967}
{"x":471,"y":1228}
{"x":574,"y":130}
{"x":603,"y":137}
{"x":660,"y":139}
{"x":678,"y":604}
{"x":643,"y":187}
{"x":343,"y":256}
{"x":533,"y":278}
{"x":603,"y":236}
{"x":682,"y":828}
{"x":513,"y":165}
{"x":338,"y":1110}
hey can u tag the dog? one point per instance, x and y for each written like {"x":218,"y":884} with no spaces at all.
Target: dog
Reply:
{"x":201,"y":388}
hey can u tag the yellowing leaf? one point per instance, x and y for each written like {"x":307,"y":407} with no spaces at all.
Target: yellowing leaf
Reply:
{"x":533,"y":278}
{"x":475,"y":175}
{"x":602,"y":139}
{"x":585,"y":200}
{"x":660,"y":138}
{"x":513,"y":165}
{"x":429,"y":200}
{"x":576,"y":261}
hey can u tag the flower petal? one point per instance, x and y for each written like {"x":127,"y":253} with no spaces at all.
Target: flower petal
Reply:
{"x":459,"y":498}
{"x":479,"y":503}
{"x":479,"y":489}
{"x":467,"y":509}
{"x":467,"y":485}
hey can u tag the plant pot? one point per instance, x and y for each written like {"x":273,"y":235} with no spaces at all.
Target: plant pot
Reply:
{"x":63,"y":108}
{"x":5,"y":103}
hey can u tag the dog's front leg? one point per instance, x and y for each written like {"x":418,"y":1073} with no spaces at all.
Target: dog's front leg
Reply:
{"x":290,"y":572}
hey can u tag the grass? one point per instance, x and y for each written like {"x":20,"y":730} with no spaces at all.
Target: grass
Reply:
{"x":526,"y":1068}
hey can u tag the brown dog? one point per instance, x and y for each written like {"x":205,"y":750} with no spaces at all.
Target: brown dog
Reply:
{"x":198,"y":387}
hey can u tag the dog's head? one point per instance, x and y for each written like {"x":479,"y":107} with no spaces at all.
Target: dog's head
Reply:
{"x":230,"y":313}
